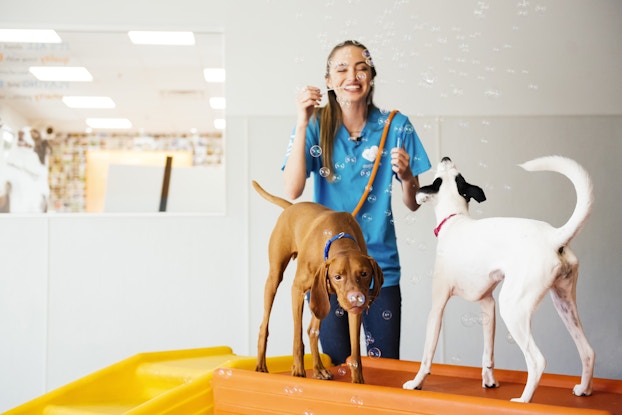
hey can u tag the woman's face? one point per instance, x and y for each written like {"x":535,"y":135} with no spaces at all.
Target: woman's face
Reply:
{"x":349,"y":74}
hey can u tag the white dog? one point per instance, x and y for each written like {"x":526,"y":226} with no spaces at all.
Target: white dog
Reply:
{"x":530,"y":256}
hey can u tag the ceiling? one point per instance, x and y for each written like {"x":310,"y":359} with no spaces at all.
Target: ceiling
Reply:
{"x":160,"y":89}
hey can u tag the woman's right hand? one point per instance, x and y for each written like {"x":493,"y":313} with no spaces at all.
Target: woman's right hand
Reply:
{"x":308,"y":98}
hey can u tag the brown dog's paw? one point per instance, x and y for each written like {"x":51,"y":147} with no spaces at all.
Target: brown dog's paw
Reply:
{"x":322,"y":374}
{"x":299,"y":371}
{"x":355,"y":369}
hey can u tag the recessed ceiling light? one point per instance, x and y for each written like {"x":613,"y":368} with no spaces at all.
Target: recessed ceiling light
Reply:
{"x":61,"y":73}
{"x":217,"y":103}
{"x":88,"y":102}
{"x":214,"y":74}
{"x":161,"y":38}
{"x":29,"y":36}
{"x":109,"y":123}
{"x":219,"y":123}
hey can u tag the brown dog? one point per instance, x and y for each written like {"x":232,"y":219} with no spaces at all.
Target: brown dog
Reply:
{"x":332,"y":258}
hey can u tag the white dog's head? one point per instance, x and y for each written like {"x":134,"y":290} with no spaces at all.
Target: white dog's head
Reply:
{"x":448,"y":185}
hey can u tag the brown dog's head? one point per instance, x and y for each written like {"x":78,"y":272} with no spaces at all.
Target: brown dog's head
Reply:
{"x":355,"y":278}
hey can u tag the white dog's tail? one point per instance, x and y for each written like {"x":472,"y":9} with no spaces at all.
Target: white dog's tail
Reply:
{"x":582,"y":184}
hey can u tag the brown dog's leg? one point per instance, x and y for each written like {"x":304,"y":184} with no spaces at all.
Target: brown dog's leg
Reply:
{"x":354,"y":361}
{"x":319,"y":371}
{"x":272,"y":284}
{"x":298,"y":368}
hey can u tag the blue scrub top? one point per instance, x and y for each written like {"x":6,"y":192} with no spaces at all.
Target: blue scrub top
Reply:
{"x":353,"y":162}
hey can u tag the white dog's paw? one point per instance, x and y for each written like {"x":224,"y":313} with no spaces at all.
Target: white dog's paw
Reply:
{"x":580,"y":390}
{"x":488,"y":379}
{"x":412,"y":385}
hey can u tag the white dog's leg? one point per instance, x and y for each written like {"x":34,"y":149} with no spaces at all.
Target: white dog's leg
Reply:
{"x":563,"y":294}
{"x":488,"y":326}
{"x":433,"y":330}
{"x":517,"y":317}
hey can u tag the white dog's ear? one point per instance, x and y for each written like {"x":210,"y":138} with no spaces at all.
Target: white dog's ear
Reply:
{"x":426,"y":192}
{"x":469,"y":191}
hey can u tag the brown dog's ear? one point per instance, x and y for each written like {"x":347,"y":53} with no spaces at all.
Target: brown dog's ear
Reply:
{"x":377,"y":281}
{"x":318,"y":298}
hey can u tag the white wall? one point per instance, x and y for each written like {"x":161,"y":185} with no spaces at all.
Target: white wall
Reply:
{"x":488,"y":84}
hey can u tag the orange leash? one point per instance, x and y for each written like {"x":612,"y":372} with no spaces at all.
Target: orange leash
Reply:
{"x":376,"y":164}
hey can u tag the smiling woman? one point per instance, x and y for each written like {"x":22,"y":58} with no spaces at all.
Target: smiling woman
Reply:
{"x":148,"y":98}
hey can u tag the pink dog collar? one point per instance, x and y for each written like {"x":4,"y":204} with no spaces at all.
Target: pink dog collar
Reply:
{"x":440,"y":225}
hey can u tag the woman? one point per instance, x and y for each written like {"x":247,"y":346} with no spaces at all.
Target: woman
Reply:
{"x":338,"y":144}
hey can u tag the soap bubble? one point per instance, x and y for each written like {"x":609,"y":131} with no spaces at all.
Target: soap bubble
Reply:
{"x":315,"y":151}
{"x":353,"y":364}
{"x":416,"y":279}
{"x":355,"y":400}
{"x":344,"y":102}
{"x":387,"y":314}
{"x":324,"y":172}
{"x":357,"y":299}
{"x":374,"y":352}
{"x":467,"y":320}
{"x":226,"y":373}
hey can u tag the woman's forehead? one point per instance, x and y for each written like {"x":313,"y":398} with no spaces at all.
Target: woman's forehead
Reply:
{"x":348,"y":53}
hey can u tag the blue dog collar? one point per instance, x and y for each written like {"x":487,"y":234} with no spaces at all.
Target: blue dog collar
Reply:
{"x":333,"y":239}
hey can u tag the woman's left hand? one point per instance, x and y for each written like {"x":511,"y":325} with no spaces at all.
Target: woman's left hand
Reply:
{"x":400,"y":163}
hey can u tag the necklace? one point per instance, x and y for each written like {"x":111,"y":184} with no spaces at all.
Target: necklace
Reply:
{"x":355,"y":135}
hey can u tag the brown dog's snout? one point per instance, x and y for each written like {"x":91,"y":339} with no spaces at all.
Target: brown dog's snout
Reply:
{"x":356,"y":298}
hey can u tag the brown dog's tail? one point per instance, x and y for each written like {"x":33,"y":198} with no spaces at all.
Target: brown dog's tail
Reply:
{"x":271,"y":198}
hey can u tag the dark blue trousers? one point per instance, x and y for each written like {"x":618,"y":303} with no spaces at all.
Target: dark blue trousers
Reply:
{"x":381,"y":324}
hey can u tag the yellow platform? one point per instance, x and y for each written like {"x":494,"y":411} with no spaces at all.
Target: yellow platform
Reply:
{"x":172,"y":382}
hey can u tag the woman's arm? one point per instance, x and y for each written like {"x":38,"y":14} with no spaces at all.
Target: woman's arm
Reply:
{"x":400,"y":162}
{"x":295,"y":171}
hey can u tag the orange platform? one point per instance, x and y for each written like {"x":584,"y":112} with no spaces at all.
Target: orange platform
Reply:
{"x":448,"y":390}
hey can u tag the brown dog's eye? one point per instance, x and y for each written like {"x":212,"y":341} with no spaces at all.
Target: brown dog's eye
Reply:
{"x":364,"y":274}
{"x":337,"y":277}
